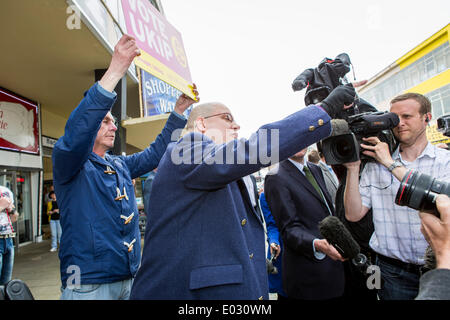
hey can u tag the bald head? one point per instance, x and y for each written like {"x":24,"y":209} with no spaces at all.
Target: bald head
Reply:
{"x":203,"y":110}
{"x":214,"y":120}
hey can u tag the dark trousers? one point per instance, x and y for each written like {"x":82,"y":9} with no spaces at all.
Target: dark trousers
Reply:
{"x":356,"y":287}
{"x":398,"y":282}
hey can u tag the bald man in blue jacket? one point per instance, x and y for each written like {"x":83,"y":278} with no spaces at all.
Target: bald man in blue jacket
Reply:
{"x":204,"y":240}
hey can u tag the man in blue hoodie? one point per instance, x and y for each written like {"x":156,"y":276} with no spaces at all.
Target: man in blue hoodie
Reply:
{"x":100,"y":247}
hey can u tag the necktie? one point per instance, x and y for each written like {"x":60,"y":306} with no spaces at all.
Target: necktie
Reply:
{"x":311,"y":180}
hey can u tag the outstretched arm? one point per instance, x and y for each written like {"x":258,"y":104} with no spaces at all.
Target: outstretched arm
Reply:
{"x":73,"y":149}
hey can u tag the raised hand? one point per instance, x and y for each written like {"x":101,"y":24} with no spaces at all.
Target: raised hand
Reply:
{"x":339,"y":99}
{"x":184,"y":101}
{"x":124,"y":53}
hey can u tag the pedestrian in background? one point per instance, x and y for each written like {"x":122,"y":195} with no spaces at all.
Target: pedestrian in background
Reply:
{"x":8,"y":216}
{"x":55,"y":226}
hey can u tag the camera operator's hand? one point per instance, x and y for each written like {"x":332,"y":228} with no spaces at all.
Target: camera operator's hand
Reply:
{"x":339,"y":99}
{"x":377,"y":150}
{"x":298,"y":85}
{"x":437,"y":231}
{"x":380,"y":152}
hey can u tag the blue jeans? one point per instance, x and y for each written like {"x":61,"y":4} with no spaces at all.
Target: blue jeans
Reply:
{"x":119,"y":290}
{"x":397,"y":283}
{"x":6,"y":259}
{"x":55,"y":227}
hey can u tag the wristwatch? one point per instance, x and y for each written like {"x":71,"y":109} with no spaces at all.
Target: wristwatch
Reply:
{"x":395,"y":165}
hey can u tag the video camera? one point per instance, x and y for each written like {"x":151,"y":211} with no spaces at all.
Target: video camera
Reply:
{"x":344,"y":145}
{"x":443,"y":125}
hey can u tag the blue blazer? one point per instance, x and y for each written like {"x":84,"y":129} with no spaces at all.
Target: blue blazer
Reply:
{"x":203,"y":238}
{"x":298,"y":209}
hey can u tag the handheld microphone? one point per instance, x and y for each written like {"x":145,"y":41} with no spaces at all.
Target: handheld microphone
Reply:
{"x":334,"y":231}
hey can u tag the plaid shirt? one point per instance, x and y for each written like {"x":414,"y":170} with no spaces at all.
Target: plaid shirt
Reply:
{"x":397,"y":229}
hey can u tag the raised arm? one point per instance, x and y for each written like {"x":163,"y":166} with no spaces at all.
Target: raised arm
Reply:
{"x":74,"y":147}
{"x":147,"y":160}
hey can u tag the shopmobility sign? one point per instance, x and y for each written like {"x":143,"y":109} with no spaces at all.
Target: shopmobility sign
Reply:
{"x":162,"y":49}
{"x":19,"y":129}
{"x":158,"y":97}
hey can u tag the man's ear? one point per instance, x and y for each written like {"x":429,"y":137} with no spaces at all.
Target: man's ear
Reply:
{"x":200,"y":124}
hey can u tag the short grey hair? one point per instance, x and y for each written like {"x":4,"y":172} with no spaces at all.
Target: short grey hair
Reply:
{"x":202,"y":110}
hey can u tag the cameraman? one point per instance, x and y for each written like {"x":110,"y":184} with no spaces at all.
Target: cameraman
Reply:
{"x":397,"y":239}
{"x":435,"y":284}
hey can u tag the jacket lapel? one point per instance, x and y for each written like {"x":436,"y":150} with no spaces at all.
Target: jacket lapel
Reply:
{"x":246,"y":198}
{"x":322,"y":186}
{"x":328,"y":174}
{"x":300,"y":177}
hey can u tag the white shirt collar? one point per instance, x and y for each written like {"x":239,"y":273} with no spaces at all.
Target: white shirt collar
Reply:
{"x":298,"y":165}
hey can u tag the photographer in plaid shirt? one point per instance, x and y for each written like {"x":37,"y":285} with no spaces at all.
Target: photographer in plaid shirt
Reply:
{"x":397,"y":239}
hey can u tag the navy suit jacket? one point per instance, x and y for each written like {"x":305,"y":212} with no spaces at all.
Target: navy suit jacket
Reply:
{"x":203,"y":239}
{"x":298,"y":209}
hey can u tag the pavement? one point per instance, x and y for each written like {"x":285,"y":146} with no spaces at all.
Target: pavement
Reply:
{"x":39,"y":269}
{"x":35,"y":265}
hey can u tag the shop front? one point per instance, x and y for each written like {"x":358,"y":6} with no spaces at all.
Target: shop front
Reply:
{"x":21,"y":162}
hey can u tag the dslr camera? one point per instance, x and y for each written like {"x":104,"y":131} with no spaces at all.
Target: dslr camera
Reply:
{"x":344,"y":146}
{"x":419,"y":191}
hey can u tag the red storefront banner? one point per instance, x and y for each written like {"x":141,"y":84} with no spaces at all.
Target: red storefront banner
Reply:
{"x":19,"y":129}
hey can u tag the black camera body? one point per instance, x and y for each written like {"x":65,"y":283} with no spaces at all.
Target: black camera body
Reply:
{"x":345,"y":147}
{"x":443,"y":125}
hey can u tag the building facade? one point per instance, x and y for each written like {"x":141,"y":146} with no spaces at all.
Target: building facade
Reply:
{"x":52,"y":52}
{"x":425,"y":70}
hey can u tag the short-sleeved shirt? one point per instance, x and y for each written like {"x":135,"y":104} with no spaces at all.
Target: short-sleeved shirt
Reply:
{"x":397,"y":228}
{"x":5,"y":222}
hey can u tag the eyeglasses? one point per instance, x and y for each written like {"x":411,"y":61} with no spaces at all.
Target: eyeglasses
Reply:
{"x":228,"y":116}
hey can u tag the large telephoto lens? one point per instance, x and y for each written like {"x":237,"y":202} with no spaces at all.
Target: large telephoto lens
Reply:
{"x":419,"y":191}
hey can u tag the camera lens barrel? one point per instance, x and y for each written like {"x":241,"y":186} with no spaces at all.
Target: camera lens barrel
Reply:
{"x":419,"y":191}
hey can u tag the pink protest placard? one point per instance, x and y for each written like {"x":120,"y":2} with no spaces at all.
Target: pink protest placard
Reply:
{"x":162,"y":49}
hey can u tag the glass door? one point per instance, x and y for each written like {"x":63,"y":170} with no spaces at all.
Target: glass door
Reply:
{"x":23,"y":206}
{"x":19,"y":182}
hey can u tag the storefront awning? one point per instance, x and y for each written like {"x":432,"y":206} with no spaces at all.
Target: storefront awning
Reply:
{"x":143,"y":131}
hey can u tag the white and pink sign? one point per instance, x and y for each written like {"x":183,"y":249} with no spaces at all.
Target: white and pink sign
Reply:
{"x":19,"y":129}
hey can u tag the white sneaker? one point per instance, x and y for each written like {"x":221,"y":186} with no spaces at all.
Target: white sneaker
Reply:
{"x":53,"y":250}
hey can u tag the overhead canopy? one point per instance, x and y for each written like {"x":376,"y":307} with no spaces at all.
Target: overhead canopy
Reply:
{"x":143,"y":131}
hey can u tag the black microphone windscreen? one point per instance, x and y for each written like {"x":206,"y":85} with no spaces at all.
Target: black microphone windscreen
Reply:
{"x":339,"y":126}
{"x":334,"y":231}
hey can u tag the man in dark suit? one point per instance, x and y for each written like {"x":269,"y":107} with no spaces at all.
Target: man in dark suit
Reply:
{"x":204,"y":239}
{"x":297,"y":196}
